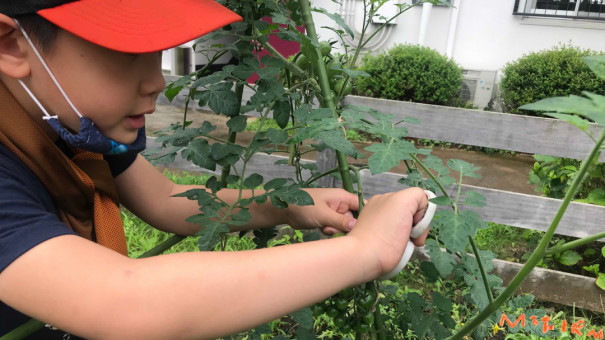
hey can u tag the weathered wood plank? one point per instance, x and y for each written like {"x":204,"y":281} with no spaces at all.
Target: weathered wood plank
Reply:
{"x":489,"y":129}
{"x":473,"y":127}
{"x":547,"y":285}
{"x":519,"y":210}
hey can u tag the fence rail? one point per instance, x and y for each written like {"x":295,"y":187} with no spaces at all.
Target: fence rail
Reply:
{"x":494,"y":130}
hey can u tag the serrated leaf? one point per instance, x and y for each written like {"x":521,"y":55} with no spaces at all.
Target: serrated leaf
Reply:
{"x":521,"y":301}
{"x":292,"y":195}
{"x":337,"y":141}
{"x":338,"y":19}
{"x":237,"y":123}
{"x":304,"y":334}
{"x":387,"y":156}
{"x":455,"y":229}
{"x":571,"y":104}
{"x":444,"y":262}
{"x":464,"y":168}
{"x":221,"y":99}
{"x":474,"y":199}
{"x":569,"y":258}
{"x":268,"y":72}
{"x":210,"y":235}
{"x":253,"y":181}
{"x":304,"y":318}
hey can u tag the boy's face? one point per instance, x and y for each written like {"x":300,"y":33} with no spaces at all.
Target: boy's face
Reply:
{"x":115,"y":90}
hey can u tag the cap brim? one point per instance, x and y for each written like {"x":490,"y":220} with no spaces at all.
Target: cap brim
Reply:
{"x":140,"y":26}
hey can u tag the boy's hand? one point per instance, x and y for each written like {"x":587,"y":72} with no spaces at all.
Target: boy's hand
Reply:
{"x":385,"y":223}
{"x":332,"y":211}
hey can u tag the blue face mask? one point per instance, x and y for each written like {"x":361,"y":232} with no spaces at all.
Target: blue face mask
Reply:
{"x":89,"y":137}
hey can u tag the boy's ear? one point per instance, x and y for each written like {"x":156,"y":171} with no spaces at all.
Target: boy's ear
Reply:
{"x":13,"y":57}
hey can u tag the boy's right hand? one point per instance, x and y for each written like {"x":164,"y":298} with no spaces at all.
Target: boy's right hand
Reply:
{"x":385,"y":223}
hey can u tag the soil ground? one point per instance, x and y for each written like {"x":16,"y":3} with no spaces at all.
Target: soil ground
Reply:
{"x":498,"y":171}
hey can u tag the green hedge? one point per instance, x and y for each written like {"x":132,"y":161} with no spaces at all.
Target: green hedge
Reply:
{"x":411,"y":73}
{"x":559,"y":71}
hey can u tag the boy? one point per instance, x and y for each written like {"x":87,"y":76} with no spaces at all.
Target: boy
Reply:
{"x":76,"y":79}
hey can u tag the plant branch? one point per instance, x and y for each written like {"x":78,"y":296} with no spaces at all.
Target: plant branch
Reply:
{"x":574,"y":243}
{"x":433,"y":178}
{"x":316,"y":177}
{"x":488,"y":290}
{"x":539,"y":253}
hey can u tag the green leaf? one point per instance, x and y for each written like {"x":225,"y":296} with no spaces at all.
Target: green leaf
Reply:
{"x":596,"y":196}
{"x":268,"y":72}
{"x":455,"y":230}
{"x":387,"y":156}
{"x":337,"y":18}
{"x":444,"y":262}
{"x":276,"y":136}
{"x":281,"y":113}
{"x":304,"y":334}
{"x":220,"y":99}
{"x":580,"y":123}
{"x":596,"y":64}
{"x":253,"y":181}
{"x":210,"y":235}
{"x":601,"y":281}
{"x":292,"y":194}
{"x":521,"y":301}
{"x":569,"y":258}
{"x":304,"y":318}
{"x":429,"y":271}
{"x":441,"y":200}
{"x":237,"y":123}
{"x":474,"y":199}
{"x":464,"y":168}
{"x":337,"y":141}
{"x":572,"y":104}
{"x":275,"y":183}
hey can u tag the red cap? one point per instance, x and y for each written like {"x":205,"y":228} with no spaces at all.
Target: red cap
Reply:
{"x":140,"y":26}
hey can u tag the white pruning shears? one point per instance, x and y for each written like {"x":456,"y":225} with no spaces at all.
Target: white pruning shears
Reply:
{"x":416,"y":231}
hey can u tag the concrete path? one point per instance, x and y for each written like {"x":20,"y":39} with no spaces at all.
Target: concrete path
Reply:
{"x":499,"y":171}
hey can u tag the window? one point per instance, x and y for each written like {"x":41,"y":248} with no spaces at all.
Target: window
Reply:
{"x":578,"y":9}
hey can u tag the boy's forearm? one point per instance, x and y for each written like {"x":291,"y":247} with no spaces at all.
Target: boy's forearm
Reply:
{"x":176,"y":296}
{"x":228,"y":292}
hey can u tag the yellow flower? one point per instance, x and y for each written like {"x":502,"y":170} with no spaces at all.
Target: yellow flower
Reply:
{"x":496,"y":329}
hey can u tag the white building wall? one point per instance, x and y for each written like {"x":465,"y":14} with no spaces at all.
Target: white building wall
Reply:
{"x":488,"y":35}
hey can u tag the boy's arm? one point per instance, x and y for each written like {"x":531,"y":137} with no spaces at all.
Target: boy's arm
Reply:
{"x":85,"y":289}
{"x":146,"y":192}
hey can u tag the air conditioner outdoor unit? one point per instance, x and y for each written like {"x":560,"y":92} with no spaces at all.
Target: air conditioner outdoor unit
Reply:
{"x":478,"y":87}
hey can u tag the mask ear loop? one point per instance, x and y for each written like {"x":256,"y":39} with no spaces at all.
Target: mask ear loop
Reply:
{"x":47,"y":116}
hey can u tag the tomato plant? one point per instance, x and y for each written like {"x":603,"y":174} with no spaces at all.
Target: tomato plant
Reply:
{"x":375,"y":310}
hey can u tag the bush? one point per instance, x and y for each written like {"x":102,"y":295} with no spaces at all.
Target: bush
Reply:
{"x":554,"y":175}
{"x":548,"y":73}
{"x":411,"y":73}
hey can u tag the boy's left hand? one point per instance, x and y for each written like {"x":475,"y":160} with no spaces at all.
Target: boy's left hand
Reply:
{"x":332,"y":211}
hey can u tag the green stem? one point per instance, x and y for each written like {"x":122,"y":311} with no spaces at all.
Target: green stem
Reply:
{"x":289,"y":65}
{"x":24,"y":330}
{"x":162,"y":247}
{"x":488,"y":290}
{"x":539,"y":253}
{"x":433,"y":178}
{"x":574,"y":244}
{"x":316,"y":177}
{"x":324,"y":83}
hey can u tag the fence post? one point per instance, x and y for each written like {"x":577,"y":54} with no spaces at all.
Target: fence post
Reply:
{"x":326,"y":160}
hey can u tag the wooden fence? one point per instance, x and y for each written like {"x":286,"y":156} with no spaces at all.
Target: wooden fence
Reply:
{"x":494,"y":130}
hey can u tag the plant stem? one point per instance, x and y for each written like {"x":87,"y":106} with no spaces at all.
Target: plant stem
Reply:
{"x":574,"y":243}
{"x":316,"y":177}
{"x":26,"y":329}
{"x":433,"y":178}
{"x":324,"y":83}
{"x":269,"y":48}
{"x":488,"y":290}
{"x":539,"y":253}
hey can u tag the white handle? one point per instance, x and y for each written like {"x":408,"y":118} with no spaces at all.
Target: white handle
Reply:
{"x":417,"y":231}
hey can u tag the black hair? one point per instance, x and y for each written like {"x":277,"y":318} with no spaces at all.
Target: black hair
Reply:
{"x":42,"y":32}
